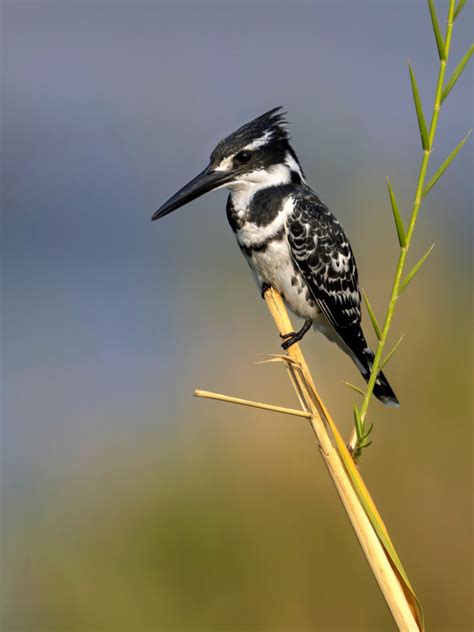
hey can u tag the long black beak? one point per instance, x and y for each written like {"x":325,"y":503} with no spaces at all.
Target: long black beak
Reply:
{"x":206,"y":181}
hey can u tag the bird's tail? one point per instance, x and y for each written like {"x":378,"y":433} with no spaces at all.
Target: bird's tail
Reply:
{"x":363,"y":357}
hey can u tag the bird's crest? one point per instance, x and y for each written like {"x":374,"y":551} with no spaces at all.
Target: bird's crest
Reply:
{"x":271,"y":126}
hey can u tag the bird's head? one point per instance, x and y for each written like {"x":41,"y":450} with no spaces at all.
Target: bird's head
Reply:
{"x":258,"y":154}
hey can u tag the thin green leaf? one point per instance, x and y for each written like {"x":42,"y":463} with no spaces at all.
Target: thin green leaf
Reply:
{"x":410,"y":276}
{"x":445,"y":165}
{"x":402,"y":240}
{"x":355,"y":388}
{"x":375,"y":325}
{"x":425,"y":141}
{"x":363,"y":442}
{"x":457,"y":73}
{"x":358,"y":423}
{"x":386,"y":360}
{"x":459,"y":8}
{"x":437,"y":32}
{"x":371,"y":427}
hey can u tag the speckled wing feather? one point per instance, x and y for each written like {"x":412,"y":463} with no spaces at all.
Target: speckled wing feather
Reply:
{"x":322,"y":253}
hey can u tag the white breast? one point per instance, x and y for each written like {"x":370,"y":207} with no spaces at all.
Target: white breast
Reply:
{"x":275,"y":266}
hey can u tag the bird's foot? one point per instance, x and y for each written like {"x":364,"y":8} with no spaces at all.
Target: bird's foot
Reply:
{"x":295,"y":336}
{"x":265,"y":287}
{"x":290,"y":339}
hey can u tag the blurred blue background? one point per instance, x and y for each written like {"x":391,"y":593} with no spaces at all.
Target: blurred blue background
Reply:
{"x":126,"y":503}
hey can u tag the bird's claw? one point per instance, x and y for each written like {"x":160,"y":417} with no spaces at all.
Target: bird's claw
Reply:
{"x":289,"y":339}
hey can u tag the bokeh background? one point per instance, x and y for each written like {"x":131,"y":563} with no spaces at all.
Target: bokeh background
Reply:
{"x":126,"y":503}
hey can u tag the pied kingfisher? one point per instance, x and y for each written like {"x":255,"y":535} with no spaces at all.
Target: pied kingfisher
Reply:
{"x":290,"y":239}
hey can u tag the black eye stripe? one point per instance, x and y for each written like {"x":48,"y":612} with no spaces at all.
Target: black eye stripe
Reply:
{"x":243,"y":156}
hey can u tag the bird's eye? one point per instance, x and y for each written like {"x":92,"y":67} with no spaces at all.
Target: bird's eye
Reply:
{"x":243,"y":156}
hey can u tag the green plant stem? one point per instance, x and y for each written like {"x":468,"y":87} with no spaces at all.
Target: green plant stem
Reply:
{"x":353,"y":442}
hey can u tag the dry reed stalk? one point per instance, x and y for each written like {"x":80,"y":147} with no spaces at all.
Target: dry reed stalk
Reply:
{"x":247,"y":402}
{"x":323,"y":426}
{"x":365,"y":520}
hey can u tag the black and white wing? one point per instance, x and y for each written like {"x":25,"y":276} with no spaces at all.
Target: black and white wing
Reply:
{"x":322,"y":253}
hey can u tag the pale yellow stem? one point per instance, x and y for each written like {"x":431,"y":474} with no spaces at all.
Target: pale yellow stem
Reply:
{"x":320,"y":420}
{"x":247,"y":402}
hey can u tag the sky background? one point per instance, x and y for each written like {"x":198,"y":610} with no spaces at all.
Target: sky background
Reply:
{"x":124,"y":499}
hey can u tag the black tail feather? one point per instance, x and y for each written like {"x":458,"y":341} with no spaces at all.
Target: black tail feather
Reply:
{"x":383,"y":391}
{"x":363,"y":357}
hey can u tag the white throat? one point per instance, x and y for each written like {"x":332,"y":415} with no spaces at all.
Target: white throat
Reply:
{"x":243,"y":190}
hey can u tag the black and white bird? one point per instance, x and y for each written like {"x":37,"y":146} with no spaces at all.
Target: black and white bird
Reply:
{"x":290,"y":239}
